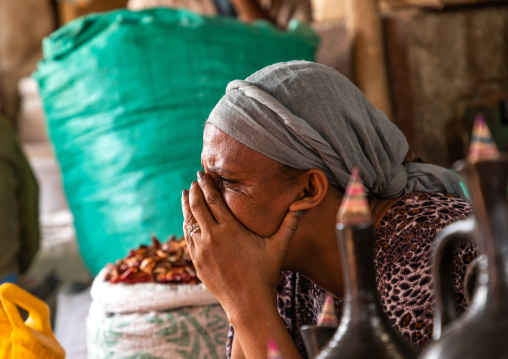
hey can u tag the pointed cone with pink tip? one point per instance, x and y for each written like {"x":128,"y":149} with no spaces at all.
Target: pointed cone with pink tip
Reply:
{"x":482,"y":147}
{"x":354,"y":208}
{"x":273,"y":350}
{"x":327,"y":316}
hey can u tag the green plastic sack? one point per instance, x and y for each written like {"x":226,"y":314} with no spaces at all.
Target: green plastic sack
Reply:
{"x":126,"y":95}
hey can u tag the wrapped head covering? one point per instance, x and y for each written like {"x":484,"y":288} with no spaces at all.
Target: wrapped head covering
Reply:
{"x":306,"y":115}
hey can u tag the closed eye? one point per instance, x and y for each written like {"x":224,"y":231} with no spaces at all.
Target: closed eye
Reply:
{"x":224,"y":183}
{"x":225,"y":180}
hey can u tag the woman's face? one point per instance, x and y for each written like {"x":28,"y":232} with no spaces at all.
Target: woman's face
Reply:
{"x":252,"y":185}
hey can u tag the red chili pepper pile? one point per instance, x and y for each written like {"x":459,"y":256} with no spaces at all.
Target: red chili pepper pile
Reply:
{"x":168,"y":262}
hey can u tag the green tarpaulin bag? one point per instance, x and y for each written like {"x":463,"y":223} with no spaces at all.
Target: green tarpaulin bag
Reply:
{"x":126,"y":95}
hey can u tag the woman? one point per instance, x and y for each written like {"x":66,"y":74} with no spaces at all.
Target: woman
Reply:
{"x":278,"y":151}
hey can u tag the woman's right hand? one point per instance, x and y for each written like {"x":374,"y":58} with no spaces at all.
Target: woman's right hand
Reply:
{"x":237,"y":266}
{"x":240,"y":268}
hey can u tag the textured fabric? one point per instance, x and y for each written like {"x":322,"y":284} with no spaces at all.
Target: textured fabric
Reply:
{"x":306,"y":115}
{"x":402,"y":261}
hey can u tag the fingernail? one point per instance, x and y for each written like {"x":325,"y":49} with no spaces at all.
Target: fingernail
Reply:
{"x":299,"y":213}
{"x":185,"y":193}
{"x":200,"y":174}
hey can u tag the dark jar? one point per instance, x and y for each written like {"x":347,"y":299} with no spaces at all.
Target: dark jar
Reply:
{"x":481,"y":331}
{"x":364,"y":330}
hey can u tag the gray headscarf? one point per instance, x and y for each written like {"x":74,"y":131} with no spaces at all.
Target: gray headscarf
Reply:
{"x":306,"y":115}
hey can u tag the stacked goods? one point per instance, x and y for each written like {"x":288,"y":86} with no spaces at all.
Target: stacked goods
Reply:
{"x":126,"y":95}
{"x":169,"y":262}
{"x":152,"y":305}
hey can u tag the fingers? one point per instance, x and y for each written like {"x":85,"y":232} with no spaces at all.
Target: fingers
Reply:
{"x":286,"y":230}
{"x":188,"y":219}
{"x":213,"y":199}
{"x":199,"y":207}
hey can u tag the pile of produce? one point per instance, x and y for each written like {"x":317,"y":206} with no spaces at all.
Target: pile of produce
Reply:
{"x":167,"y":262}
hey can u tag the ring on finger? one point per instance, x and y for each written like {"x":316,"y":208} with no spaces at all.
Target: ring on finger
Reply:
{"x":193,"y":228}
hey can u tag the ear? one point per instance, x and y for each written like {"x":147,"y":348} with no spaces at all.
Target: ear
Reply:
{"x":315,"y":185}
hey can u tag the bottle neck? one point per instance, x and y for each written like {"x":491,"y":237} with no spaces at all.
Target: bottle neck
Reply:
{"x":487,"y":183}
{"x":356,"y":246}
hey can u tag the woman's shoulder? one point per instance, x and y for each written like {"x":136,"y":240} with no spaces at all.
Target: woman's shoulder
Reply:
{"x":416,"y":219}
{"x":435,"y":201}
{"x":405,"y":239}
{"x":429,"y":209}
{"x":407,"y":231}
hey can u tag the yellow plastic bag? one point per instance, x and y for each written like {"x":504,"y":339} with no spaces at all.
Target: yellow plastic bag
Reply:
{"x":31,"y":339}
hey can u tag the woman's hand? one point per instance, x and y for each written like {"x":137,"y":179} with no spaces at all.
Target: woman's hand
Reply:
{"x":237,"y":266}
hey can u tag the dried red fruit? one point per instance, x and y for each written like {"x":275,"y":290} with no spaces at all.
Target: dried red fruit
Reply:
{"x":167,"y":262}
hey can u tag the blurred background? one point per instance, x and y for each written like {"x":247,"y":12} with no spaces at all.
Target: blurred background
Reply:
{"x":430,"y":65}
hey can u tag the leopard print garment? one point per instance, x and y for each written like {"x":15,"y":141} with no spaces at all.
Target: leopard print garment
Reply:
{"x":402,"y":260}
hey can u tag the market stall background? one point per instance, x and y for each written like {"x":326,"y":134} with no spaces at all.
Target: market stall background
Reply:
{"x":432,"y":88}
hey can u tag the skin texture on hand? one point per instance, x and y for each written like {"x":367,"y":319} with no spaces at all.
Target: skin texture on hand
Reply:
{"x":245,"y":286}
{"x":252,"y":262}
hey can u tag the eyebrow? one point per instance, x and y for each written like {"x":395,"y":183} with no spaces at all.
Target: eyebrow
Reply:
{"x":220,"y":170}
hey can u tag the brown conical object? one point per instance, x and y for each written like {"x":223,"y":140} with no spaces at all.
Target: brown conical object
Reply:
{"x":482,"y":147}
{"x":354,"y":207}
{"x":327,"y":315}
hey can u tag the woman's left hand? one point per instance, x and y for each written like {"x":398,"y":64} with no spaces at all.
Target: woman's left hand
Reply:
{"x":236,"y":265}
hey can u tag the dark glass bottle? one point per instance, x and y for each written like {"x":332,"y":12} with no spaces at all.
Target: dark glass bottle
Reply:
{"x":364,"y":330}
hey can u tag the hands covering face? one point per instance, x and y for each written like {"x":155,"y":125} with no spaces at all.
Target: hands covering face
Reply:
{"x":234,"y":264}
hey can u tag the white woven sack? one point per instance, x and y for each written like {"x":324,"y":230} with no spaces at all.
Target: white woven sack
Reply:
{"x":127,"y":298}
{"x":188,"y":332}
{"x":152,"y":321}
